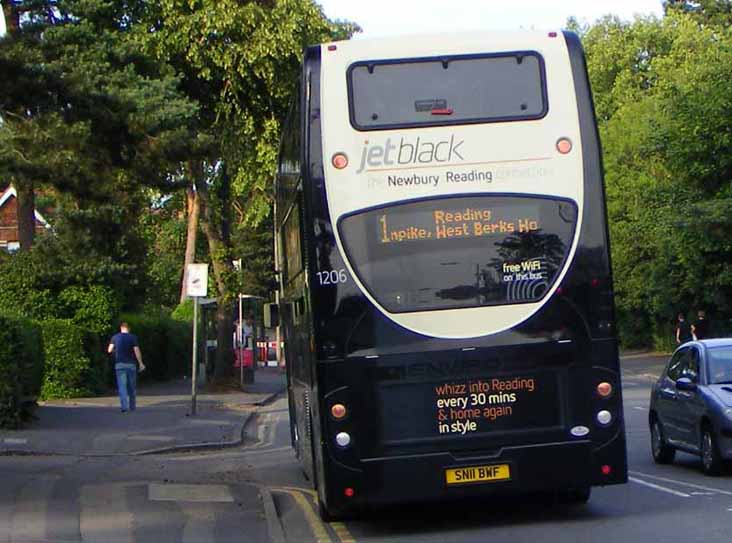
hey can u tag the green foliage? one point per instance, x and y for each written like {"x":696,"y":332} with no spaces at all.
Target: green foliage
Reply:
{"x":70,"y":369}
{"x":183,"y":312}
{"x":93,"y":307}
{"x":21,"y":368}
{"x":165,"y":344}
{"x":164,"y":233}
{"x":31,"y":358}
{"x":34,"y":289}
{"x":665,"y":112}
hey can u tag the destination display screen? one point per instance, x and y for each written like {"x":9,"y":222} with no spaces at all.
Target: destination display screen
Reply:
{"x":460,"y":252}
{"x":465,"y":407}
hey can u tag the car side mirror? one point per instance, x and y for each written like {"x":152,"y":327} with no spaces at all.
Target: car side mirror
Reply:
{"x":684,"y":383}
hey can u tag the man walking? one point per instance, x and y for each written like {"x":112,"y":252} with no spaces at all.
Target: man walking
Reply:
{"x":127,"y":354}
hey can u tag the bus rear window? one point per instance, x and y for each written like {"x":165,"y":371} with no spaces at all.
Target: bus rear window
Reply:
{"x":460,"y":252}
{"x":449,"y":90}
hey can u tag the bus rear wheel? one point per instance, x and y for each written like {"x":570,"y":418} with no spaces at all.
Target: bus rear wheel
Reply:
{"x":575,"y":496}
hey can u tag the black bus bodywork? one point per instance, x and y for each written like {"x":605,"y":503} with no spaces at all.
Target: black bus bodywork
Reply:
{"x":341,"y":349}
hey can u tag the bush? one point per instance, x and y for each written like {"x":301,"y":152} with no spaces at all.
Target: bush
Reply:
{"x":165,"y":344}
{"x":21,"y":367}
{"x":184,"y":312}
{"x":72,"y":367}
{"x":34,"y":290}
{"x":92,"y":307}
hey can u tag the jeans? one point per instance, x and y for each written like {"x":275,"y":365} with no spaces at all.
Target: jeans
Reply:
{"x":126,"y":384}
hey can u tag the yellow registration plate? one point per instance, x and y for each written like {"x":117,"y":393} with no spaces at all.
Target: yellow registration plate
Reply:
{"x":478,"y":474}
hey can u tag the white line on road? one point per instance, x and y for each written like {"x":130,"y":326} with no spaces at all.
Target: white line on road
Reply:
{"x":106,"y":514}
{"x":189,"y":493}
{"x":15,"y":441}
{"x":659,"y":487}
{"x":639,"y":408}
{"x":215,"y":422}
{"x":682,"y":483}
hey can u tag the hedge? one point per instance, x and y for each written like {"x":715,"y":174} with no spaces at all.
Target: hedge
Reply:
{"x":55,"y":358}
{"x":165,"y":344}
{"x":75,"y":364}
{"x":21,"y":367}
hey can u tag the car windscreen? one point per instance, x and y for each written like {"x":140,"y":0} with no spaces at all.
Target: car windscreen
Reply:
{"x":460,"y":252}
{"x":719,"y":365}
{"x":447,"y":90}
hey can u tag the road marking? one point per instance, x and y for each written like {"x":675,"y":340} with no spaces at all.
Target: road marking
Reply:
{"x":143,"y":437}
{"x":266,"y":431}
{"x":659,"y":487}
{"x":682,"y":483}
{"x":639,"y":408}
{"x":15,"y":441}
{"x":105,"y":513}
{"x":216,"y":422}
{"x":316,"y":525}
{"x":30,"y":518}
{"x":342,"y":532}
{"x":289,"y":489}
{"x":189,"y":493}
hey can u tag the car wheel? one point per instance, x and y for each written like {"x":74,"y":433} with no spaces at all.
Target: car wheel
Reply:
{"x":711,"y":459}
{"x":663,"y":453}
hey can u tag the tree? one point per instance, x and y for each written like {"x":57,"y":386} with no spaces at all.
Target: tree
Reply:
{"x":661,"y":89}
{"x":717,"y":12}
{"x":240,"y":64}
{"x":82,"y":110}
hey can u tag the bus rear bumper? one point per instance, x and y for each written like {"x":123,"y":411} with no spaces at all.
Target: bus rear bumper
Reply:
{"x":531,"y":469}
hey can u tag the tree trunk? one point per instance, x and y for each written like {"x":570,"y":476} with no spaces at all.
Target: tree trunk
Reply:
{"x":219,"y":248}
{"x":193,"y":209}
{"x":11,"y":16}
{"x":224,"y":340}
{"x":26,"y":215}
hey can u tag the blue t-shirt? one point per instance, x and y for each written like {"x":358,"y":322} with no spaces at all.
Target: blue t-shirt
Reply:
{"x":124,"y":344}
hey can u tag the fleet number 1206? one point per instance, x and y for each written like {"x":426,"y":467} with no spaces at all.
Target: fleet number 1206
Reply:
{"x":332,"y":277}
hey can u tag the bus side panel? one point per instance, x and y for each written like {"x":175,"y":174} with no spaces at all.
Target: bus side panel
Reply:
{"x":595,"y":234}
{"x":312,"y":172}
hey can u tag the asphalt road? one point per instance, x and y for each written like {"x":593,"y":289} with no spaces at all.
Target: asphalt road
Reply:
{"x":257,"y":493}
{"x":662,"y":503}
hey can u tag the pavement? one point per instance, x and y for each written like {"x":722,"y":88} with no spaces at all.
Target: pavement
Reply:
{"x":161,"y":423}
{"x":642,"y":368}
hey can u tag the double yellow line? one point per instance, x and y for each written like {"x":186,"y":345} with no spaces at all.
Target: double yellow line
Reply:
{"x":306,"y":500}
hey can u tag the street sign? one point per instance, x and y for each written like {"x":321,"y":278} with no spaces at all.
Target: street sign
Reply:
{"x":197,"y":280}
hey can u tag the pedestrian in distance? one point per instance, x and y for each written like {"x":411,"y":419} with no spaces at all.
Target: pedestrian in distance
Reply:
{"x":683,"y":330}
{"x":127,"y":355}
{"x":700,"y":328}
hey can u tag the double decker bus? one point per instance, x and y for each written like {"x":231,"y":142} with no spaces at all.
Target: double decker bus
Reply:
{"x":445,"y":284}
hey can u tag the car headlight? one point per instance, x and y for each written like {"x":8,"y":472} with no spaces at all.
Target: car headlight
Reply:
{"x":728,"y":413}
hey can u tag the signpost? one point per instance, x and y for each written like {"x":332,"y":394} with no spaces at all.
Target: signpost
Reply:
{"x":196,"y":287}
